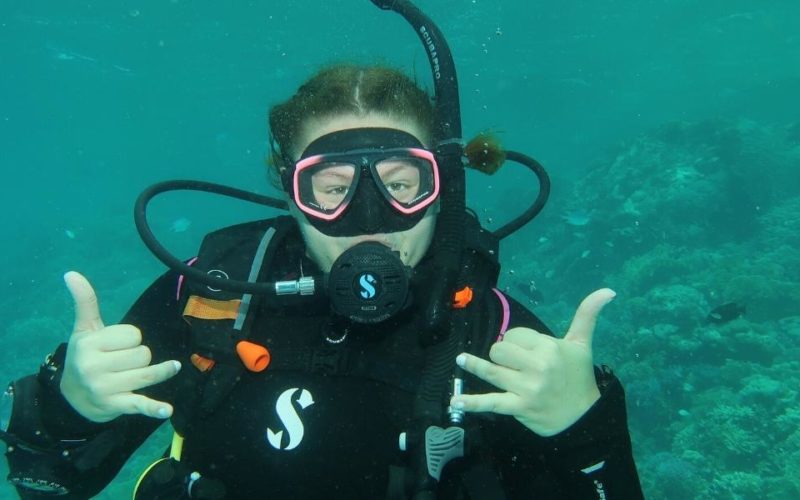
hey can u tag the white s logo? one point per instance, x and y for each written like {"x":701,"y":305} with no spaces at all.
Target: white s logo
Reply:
{"x":290,"y":419}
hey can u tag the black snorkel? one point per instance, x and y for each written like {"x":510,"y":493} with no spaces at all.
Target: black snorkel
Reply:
{"x":449,"y":152}
{"x":431,"y":447}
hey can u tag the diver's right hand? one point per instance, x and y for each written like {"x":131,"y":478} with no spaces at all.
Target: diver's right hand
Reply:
{"x":105,"y":364}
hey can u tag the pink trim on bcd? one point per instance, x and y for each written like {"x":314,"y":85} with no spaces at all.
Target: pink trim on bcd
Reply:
{"x":506,"y":313}
{"x":181,"y":277}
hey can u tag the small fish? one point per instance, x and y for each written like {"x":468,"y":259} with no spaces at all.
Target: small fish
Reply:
{"x":67,"y":55}
{"x":180,"y":225}
{"x":726,"y":312}
{"x":63,"y":54}
{"x":70,"y":234}
{"x":577,"y":218}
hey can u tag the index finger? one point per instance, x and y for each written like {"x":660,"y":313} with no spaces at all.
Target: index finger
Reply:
{"x":139,"y":378}
{"x":499,"y":376}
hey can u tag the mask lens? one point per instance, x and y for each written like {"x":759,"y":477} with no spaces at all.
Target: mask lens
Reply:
{"x":326,"y":186}
{"x":408,"y":180}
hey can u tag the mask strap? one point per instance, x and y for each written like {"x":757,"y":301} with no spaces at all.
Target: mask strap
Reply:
{"x":277,"y":152}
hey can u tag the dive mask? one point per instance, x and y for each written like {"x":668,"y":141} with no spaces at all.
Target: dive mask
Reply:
{"x":363,"y":181}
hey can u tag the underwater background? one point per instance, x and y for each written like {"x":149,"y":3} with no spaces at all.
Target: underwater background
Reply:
{"x":670,"y":128}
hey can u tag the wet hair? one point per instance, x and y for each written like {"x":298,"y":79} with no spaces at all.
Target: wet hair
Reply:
{"x":340,"y":90}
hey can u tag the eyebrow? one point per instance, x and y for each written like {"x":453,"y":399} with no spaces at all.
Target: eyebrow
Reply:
{"x":394,"y":168}
{"x":330,"y":173}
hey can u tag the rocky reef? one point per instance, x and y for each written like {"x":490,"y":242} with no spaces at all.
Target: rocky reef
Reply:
{"x":686,"y":220}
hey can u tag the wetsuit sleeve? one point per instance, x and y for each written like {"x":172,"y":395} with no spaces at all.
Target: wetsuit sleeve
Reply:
{"x":53,"y":448}
{"x":593,"y":458}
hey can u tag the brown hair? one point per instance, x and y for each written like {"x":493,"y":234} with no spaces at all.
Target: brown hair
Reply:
{"x":346,"y":89}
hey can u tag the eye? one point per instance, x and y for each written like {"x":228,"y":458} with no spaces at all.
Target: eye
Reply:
{"x":396,"y":186}
{"x":336,"y":190}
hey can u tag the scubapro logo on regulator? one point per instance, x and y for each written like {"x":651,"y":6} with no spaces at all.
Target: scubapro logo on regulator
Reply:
{"x":368,"y":285}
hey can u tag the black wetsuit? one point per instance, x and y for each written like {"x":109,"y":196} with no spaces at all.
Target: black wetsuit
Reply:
{"x":300,"y":434}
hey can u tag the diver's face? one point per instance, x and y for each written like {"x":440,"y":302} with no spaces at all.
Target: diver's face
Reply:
{"x":323,"y":249}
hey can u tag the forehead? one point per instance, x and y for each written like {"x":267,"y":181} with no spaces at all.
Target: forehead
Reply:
{"x":315,"y":128}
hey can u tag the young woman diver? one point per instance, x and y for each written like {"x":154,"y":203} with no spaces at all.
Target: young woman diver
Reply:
{"x":357,"y":348}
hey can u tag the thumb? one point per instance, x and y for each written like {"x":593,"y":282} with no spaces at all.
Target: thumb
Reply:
{"x":582,"y":327}
{"x":87,"y":311}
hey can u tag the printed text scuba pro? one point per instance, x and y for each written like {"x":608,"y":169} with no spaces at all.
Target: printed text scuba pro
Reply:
{"x":432,"y":48}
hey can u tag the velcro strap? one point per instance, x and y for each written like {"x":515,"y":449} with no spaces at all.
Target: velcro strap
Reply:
{"x":205,"y":308}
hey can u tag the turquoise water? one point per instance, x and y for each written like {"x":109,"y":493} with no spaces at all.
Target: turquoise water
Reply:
{"x":671,"y":130}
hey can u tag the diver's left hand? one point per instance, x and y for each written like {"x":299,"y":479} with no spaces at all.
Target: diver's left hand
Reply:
{"x":548,"y":382}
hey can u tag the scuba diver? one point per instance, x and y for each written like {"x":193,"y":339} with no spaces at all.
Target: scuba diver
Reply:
{"x":357,"y":348}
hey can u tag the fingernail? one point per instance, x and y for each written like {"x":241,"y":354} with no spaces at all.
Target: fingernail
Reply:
{"x":177,"y":366}
{"x":163,"y":412}
{"x":461,"y":360}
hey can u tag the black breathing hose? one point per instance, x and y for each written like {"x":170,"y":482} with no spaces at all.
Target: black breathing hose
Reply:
{"x":176,"y":264}
{"x":537,"y":205}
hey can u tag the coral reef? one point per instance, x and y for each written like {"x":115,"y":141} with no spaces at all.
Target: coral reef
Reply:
{"x":686,"y":219}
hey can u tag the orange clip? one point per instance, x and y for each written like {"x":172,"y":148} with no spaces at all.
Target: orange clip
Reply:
{"x":201,"y":363}
{"x":255,"y":357}
{"x":462,"y":298}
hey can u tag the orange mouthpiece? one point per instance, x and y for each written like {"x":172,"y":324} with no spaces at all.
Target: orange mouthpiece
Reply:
{"x":255,"y":357}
